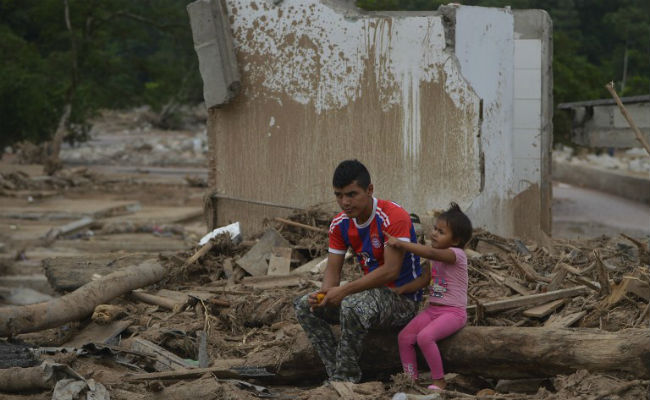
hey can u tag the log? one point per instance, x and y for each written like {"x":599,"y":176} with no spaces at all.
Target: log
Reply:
{"x":80,"y":303}
{"x":490,"y":352}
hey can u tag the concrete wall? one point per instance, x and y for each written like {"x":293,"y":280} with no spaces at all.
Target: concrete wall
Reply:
{"x":425,"y":100}
{"x":605,"y":126}
{"x":533,"y":116}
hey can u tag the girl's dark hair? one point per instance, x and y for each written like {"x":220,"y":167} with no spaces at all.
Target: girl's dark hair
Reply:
{"x":459,"y":224}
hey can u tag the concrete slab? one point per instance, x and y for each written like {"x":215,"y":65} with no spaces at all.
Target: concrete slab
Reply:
{"x":626,"y":185}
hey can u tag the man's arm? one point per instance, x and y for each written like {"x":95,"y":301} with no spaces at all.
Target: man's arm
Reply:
{"x":378,"y":277}
{"x":418,"y":283}
{"x":331,"y":278}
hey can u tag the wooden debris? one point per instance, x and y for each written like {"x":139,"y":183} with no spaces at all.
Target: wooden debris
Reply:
{"x":557,"y":280}
{"x":490,"y":352}
{"x":603,"y":278}
{"x":530,"y":300}
{"x":528,"y":271}
{"x":200,"y":253}
{"x":544,"y":309}
{"x":637,"y":132}
{"x":317,"y":264}
{"x":82,"y":223}
{"x":299,"y":225}
{"x":564,"y":321}
{"x":254,"y":262}
{"x":105,"y":313}
{"x":510,"y":282}
{"x":70,"y":273}
{"x":644,"y":252}
{"x":165,"y":302}
{"x":344,"y":389}
{"x":222,"y":370}
{"x":15,"y":380}
{"x":80,"y":303}
{"x":280,"y":261}
{"x":165,"y":360}
{"x":202,"y":351}
{"x":629,"y":284}
{"x":273,"y":281}
{"x":96,"y":333}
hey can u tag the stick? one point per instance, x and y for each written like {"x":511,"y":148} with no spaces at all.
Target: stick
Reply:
{"x":299,"y":225}
{"x":200,"y":253}
{"x":637,"y":132}
{"x":601,"y":274}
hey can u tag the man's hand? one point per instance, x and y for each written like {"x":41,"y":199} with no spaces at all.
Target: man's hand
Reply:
{"x":314,"y":299}
{"x":398,"y":289}
{"x":333,"y":297}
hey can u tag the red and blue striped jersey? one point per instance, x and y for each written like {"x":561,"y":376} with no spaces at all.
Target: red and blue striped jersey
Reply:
{"x":367,"y":240}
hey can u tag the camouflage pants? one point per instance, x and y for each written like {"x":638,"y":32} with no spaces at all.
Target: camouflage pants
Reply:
{"x":359,"y":312}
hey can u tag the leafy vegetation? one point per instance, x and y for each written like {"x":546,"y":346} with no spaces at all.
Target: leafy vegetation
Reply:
{"x":104,"y":54}
{"x":121,"y":53}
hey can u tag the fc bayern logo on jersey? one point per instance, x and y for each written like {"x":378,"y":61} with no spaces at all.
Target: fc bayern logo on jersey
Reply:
{"x":376,"y":243}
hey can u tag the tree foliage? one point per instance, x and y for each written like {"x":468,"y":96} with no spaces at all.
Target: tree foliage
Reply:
{"x":122,"y":53}
{"x":114,"y":54}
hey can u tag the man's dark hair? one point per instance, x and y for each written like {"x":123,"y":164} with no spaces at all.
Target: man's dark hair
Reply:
{"x":458,"y":223}
{"x":349,"y":171}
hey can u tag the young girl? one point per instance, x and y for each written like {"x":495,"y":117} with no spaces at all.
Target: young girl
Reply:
{"x":446,"y":312}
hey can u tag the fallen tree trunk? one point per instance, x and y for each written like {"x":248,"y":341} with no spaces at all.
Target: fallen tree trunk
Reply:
{"x":491,"y":352}
{"x":80,"y":303}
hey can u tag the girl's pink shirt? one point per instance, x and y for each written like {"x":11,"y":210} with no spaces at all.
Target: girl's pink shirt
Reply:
{"x":449,"y":281}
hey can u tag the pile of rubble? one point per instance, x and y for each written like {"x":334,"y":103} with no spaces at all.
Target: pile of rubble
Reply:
{"x":565,"y":320}
{"x":632,"y":161}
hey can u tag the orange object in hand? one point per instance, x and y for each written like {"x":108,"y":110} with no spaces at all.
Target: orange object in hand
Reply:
{"x":320,"y":297}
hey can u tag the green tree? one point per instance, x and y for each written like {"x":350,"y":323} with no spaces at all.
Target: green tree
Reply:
{"x":84,"y":55}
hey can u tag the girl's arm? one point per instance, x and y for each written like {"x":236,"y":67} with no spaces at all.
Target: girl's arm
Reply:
{"x":417,"y":283}
{"x":445,"y":255}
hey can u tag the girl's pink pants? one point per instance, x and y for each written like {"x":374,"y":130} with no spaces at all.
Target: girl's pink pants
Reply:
{"x":430,"y":325}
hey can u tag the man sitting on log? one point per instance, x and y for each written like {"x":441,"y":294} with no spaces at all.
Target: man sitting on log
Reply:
{"x":367,"y":302}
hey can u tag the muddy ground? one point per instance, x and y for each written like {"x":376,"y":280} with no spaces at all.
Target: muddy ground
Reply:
{"x":113,"y":206}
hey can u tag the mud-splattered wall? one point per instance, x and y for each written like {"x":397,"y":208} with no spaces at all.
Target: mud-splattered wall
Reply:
{"x":322,"y":82}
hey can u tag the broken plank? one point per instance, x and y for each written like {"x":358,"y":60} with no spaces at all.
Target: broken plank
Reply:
{"x":563,"y":321}
{"x":544,"y":309}
{"x":315,"y":266}
{"x":95,"y":333}
{"x":273,"y":281}
{"x":165,"y":302}
{"x":530,"y":300}
{"x":629,"y":284}
{"x":69,"y":228}
{"x":299,"y":225}
{"x":165,"y":360}
{"x":280,"y":261}
{"x":254,"y":261}
{"x":222,"y":369}
{"x":556,"y":281}
{"x":344,"y":389}
{"x":528,"y":271}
